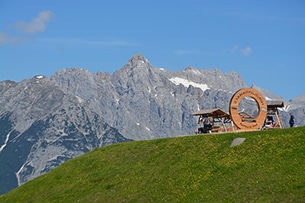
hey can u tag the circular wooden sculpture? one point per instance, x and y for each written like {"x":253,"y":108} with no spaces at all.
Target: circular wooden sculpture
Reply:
{"x":262,"y":109}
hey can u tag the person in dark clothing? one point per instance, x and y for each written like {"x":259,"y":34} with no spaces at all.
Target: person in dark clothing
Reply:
{"x":208,"y":125}
{"x":291,"y":120}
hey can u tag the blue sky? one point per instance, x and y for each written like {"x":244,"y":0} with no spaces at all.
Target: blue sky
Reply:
{"x":263,"y":41}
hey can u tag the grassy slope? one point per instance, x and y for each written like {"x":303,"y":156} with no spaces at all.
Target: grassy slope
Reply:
{"x":268,"y":167}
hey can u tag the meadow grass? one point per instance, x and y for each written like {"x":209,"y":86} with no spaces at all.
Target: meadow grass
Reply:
{"x":268,"y":167}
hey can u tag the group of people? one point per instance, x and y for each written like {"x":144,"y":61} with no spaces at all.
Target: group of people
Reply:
{"x":270,"y":122}
{"x":206,"y":125}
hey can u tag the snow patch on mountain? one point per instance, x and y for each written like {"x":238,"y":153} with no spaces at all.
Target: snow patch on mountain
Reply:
{"x":6,"y":140}
{"x":187,"y":83}
{"x":39,"y":76}
{"x":80,"y":100}
{"x":285,"y":108}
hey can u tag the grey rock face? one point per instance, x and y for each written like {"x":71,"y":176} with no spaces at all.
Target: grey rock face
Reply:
{"x":42,"y":127}
{"x":46,"y":121}
{"x":144,"y":102}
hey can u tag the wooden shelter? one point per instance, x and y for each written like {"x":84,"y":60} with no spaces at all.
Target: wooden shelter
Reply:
{"x":217,"y":115}
{"x":272,"y":110}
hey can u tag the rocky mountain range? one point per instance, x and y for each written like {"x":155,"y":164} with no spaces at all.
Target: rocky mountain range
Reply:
{"x":44,"y":121}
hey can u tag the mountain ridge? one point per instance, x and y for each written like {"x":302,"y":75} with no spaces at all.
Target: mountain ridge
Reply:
{"x":83,"y":110}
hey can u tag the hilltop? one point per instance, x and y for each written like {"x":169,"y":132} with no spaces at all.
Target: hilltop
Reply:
{"x":267,"y":167}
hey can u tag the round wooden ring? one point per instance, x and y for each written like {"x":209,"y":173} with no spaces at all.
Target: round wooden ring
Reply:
{"x":262,"y":109}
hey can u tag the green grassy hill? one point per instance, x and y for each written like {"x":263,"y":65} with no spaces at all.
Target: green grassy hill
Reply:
{"x":268,"y":167}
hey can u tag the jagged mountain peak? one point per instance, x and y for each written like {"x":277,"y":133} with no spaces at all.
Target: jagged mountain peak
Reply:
{"x":138,"y":61}
{"x":300,"y":98}
{"x":138,"y":70}
{"x":138,"y":58}
{"x":191,"y":69}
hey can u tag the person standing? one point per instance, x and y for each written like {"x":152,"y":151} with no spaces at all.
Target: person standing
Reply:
{"x":291,"y":120}
{"x":201,"y":126}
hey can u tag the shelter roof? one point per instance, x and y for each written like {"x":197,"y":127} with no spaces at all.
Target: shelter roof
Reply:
{"x":215,"y":113}
{"x":275,"y":103}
